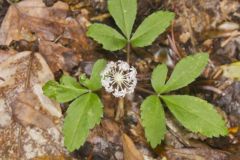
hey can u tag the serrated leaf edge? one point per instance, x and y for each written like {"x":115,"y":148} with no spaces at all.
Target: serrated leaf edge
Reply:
{"x":210,"y":136}
{"x":153,"y":145}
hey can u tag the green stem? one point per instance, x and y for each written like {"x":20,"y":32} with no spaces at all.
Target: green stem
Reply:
{"x":120,"y":108}
{"x":128,"y":52}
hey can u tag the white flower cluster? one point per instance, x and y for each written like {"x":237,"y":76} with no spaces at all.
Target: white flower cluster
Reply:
{"x":119,"y":78}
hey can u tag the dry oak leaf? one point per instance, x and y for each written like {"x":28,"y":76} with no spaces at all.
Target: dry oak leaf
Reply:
{"x":27,"y":116}
{"x":59,"y":57}
{"x":14,"y":74}
{"x":62,"y":39}
{"x":31,"y":19}
{"x":130,"y":150}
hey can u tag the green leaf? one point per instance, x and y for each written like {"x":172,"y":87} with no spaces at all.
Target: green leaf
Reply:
{"x":186,"y":71}
{"x":159,"y":76}
{"x":196,"y":115}
{"x":94,"y":83}
{"x":124,"y":13}
{"x":153,"y":120}
{"x":69,"y":81}
{"x":82,"y":115}
{"x":67,"y":90}
{"x":151,"y":28}
{"x":107,"y":36}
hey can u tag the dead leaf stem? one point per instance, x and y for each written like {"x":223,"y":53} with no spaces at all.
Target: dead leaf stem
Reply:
{"x":28,"y":77}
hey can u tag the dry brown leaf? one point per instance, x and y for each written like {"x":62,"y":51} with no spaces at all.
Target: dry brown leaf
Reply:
{"x":6,"y":54}
{"x":14,"y":73}
{"x":31,"y":18}
{"x":40,"y":135}
{"x":26,"y":110}
{"x":130,"y":150}
{"x":60,"y":37}
{"x":59,"y":57}
{"x":28,"y":17}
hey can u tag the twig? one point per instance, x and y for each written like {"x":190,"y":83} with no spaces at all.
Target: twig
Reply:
{"x":173,"y":130}
{"x":58,"y":38}
{"x":173,"y":48}
{"x":19,"y":140}
{"x":173,"y":42}
{"x":213,"y":89}
{"x":227,"y":34}
{"x":100,"y":17}
{"x":232,"y":36}
{"x":145,"y":90}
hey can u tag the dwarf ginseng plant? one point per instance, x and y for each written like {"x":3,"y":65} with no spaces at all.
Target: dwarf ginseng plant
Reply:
{"x":119,"y":79}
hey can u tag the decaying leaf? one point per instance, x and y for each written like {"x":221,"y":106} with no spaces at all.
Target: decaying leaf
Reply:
{"x":59,"y":57}
{"x":232,"y":71}
{"x":62,"y":39}
{"x":26,"y":111}
{"x":31,"y":18}
{"x":130,"y":150}
{"x":27,"y":116}
{"x":5,"y":55}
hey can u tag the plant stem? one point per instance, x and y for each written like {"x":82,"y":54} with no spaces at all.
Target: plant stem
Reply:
{"x":128,"y":52}
{"x":120,"y":109}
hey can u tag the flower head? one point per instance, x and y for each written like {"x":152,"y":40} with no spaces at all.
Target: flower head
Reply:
{"x":119,"y":78}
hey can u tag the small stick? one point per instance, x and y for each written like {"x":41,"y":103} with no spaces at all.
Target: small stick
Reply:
{"x":213,"y":89}
{"x":58,"y":38}
{"x":145,"y":90}
{"x":232,"y":36}
{"x":100,"y":17}
{"x":173,"y":42}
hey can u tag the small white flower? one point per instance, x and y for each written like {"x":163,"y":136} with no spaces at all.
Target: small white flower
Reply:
{"x":119,"y":78}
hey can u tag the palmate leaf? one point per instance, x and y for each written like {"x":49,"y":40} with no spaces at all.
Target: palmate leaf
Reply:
{"x":153,"y":120}
{"x":124,"y":13}
{"x":151,"y":28}
{"x":82,"y":115}
{"x":196,"y":115}
{"x":107,"y":36}
{"x":94,"y":83}
{"x":65,"y":91}
{"x":159,"y":76}
{"x":186,"y":71}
